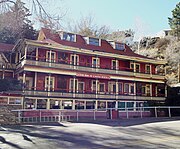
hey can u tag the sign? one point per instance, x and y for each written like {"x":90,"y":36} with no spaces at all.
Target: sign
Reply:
{"x":97,"y":76}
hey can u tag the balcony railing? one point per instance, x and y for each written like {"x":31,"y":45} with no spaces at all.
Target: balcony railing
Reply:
{"x":65,"y":64}
{"x":65,"y":93}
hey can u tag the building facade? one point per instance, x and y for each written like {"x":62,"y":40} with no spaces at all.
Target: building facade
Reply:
{"x":63,"y":70}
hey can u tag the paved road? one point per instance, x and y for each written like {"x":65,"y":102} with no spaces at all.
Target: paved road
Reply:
{"x":136,"y":133}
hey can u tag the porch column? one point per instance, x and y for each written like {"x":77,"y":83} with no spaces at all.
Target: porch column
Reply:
{"x":74,"y":84}
{"x":84,"y":104}
{"x":73,"y":105}
{"x":48,"y":104}
{"x":116,"y":106}
{"x":35,"y":104}
{"x":151,"y":89}
{"x":35,"y":81}
{"x":96,"y":86}
{"x":37,"y":54}
{"x":165,"y":90}
{"x":60,"y":104}
{"x":117,"y":90}
{"x":24,"y":80}
{"x":49,"y":81}
{"x":96,"y":105}
{"x":25,"y":52}
{"x":134,"y":66}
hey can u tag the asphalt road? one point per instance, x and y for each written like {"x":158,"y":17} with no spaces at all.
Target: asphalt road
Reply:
{"x":107,"y":134}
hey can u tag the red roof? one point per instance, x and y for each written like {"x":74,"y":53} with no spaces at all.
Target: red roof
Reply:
{"x":6,"y":47}
{"x":81,"y":43}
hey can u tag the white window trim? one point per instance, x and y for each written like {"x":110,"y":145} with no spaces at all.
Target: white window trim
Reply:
{"x":88,"y":38}
{"x":96,"y":86}
{"x":97,"y":60}
{"x":62,"y":34}
{"x":139,"y":67}
{"x":110,"y":86}
{"x":146,"y":68}
{"x":78,"y":86}
{"x":73,"y":85}
{"x":46,"y":86}
{"x":49,"y":59}
{"x":99,"y":87}
{"x":129,"y":90}
{"x":117,"y":64}
{"x":74,"y":59}
{"x":121,"y":88}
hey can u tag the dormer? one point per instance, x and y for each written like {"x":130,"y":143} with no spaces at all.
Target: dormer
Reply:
{"x":67,"y":36}
{"x":117,"y":45}
{"x":93,"y":41}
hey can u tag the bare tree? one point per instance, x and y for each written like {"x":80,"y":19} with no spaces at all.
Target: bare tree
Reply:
{"x":87,"y":27}
{"x":38,"y":10}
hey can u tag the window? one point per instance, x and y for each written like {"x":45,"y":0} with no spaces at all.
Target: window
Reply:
{"x":72,"y":85}
{"x":15,"y":101}
{"x":69,"y":37}
{"x":50,"y":56}
{"x":120,"y":88}
{"x":49,"y":84}
{"x":93,"y":86}
{"x":132,"y":66}
{"x":101,"y":87}
{"x":95,"y":62}
{"x":137,"y":67}
{"x":119,"y":46}
{"x":114,"y":64}
{"x":126,"y":88}
{"x":112,"y":87}
{"x":74,"y":59}
{"x":148,"y":69}
{"x":94,"y":41}
{"x":81,"y":87}
{"x":148,"y":90}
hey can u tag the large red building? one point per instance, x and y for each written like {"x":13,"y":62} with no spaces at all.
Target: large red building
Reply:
{"x":63,"y":70}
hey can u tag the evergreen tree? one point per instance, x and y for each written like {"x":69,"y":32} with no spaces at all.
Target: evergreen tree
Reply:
{"x":174,"y":22}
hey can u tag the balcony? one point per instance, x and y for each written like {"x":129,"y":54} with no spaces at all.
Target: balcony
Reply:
{"x":88,"y":67}
{"x":91,"y":95}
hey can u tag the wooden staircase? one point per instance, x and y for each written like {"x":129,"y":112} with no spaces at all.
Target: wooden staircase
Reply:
{"x":7,"y":117}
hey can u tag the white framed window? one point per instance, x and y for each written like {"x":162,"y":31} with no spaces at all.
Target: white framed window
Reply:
{"x":94,"y":85}
{"x":120,"y":46}
{"x":71,"y":85}
{"x":120,"y":87}
{"x":68,"y":36}
{"x":49,"y":84}
{"x":101,"y":87}
{"x":132,"y":66}
{"x":81,"y":87}
{"x":111,"y":87}
{"x":148,"y":68}
{"x":137,"y":67}
{"x":129,"y":88}
{"x":50,"y":56}
{"x":93,"y":41}
{"x":114,"y":64}
{"x":74,"y":59}
{"x":95,"y":62}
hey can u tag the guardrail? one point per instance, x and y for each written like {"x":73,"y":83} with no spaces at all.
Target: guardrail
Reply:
{"x":58,"y":115}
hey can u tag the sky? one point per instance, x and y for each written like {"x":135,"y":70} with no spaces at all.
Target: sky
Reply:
{"x":145,"y":17}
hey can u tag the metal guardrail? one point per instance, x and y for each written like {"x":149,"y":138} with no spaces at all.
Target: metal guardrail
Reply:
{"x":58,"y":115}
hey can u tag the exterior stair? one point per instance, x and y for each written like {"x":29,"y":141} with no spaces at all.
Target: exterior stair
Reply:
{"x":7,"y":117}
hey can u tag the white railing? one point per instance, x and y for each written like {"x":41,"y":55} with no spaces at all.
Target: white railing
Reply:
{"x":58,"y":115}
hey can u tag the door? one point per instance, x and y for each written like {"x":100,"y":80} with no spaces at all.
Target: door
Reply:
{"x":49,"y":84}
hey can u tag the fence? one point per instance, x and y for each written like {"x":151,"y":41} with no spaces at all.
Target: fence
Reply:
{"x":58,"y":115}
